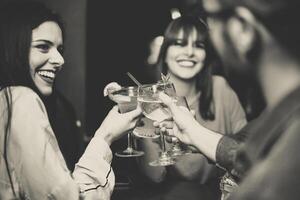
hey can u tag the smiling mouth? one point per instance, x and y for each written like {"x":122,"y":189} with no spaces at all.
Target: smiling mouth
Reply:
{"x":47,"y":75}
{"x":186,"y":63}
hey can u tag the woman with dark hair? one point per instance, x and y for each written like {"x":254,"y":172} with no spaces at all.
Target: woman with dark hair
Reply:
{"x":31,"y":163}
{"x":186,"y":57}
{"x":60,"y":111}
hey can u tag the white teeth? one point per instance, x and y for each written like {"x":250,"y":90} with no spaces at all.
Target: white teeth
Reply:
{"x":47,"y":74}
{"x":186,"y":63}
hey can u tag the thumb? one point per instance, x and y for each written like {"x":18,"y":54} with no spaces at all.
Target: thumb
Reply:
{"x":115,"y":109}
{"x":134,"y":113}
{"x":112,"y":86}
{"x":169,"y":103}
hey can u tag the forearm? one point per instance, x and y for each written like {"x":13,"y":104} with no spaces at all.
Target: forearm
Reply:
{"x":93,"y":172}
{"x":206,"y":141}
{"x":103,"y":132}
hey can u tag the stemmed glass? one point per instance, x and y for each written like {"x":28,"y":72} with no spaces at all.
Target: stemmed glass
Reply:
{"x":126,"y":98}
{"x":155,"y":110}
{"x":176,"y":149}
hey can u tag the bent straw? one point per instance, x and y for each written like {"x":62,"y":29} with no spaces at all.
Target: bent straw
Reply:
{"x":134,"y":79}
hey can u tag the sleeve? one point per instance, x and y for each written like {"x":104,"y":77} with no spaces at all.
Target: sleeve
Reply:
{"x":227,"y":149}
{"x":41,"y":169}
{"x":229,"y":145}
{"x":277,"y":176}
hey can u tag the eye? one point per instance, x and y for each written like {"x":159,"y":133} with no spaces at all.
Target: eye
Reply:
{"x":44,"y":48}
{"x":199,"y":44}
{"x":179,"y":43}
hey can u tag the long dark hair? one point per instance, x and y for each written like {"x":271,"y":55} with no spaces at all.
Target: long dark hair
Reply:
{"x":204,"y":77}
{"x":17,"y":20}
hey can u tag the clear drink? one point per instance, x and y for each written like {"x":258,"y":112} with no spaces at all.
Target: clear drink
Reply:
{"x":154,"y":109}
{"x":127,"y":106}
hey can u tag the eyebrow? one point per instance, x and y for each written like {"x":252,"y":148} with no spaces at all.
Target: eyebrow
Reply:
{"x":46,"y":41}
{"x":42,"y":40}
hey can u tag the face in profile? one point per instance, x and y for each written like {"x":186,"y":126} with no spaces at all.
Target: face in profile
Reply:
{"x":225,"y":45}
{"x":185,"y":57}
{"x":45,"y":57}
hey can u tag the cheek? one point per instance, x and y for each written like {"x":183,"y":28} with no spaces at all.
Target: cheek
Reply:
{"x":32,"y":65}
{"x":201,"y":54}
{"x":170,"y":57}
{"x":36,"y":59}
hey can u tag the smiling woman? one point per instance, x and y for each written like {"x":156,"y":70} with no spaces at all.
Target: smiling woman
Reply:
{"x":45,"y":56}
{"x":34,"y":164}
{"x":186,"y":56}
{"x":31,"y":56}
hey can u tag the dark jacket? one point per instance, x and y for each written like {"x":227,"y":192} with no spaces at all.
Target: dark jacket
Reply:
{"x":269,"y":160}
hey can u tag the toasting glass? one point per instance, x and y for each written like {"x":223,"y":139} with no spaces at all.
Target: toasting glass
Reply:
{"x":154,"y":109}
{"x":126,"y":98}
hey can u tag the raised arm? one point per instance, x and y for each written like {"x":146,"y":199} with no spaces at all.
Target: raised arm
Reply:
{"x":39,"y":166}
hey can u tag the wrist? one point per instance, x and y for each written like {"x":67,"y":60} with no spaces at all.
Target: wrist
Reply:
{"x":105,"y":134}
{"x":207,"y":141}
{"x":194,"y":133}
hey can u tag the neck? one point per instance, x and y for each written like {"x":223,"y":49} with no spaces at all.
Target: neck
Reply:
{"x":185,"y":88}
{"x":279,"y":74}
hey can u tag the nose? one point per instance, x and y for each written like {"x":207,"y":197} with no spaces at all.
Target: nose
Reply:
{"x":189,"y":49}
{"x":56,"y":58}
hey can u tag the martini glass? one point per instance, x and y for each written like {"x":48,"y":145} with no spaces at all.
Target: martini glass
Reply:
{"x":154,"y":109}
{"x":126,"y":98}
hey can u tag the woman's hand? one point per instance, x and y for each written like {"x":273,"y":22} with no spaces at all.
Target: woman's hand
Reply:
{"x":117,"y":124}
{"x":111,"y":86}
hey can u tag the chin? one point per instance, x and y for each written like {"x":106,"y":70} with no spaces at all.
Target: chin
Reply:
{"x":46,"y":91}
{"x":187,"y":76}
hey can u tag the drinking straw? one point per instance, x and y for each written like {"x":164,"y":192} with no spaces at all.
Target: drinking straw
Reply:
{"x":134,"y":79}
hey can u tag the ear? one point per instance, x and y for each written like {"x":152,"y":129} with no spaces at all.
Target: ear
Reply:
{"x":241,"y":29}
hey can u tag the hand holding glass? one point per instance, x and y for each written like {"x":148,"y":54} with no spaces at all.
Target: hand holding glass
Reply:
{"x":176,"y":149}
{"x":154,"y":109}
{"x":126,"y":98}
